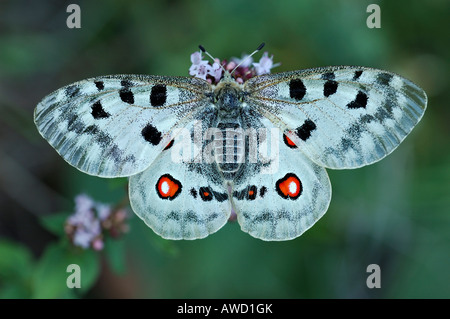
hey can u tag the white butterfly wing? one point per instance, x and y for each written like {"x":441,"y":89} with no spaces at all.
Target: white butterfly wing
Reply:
{"x":284,"y":197}
{"x":340,"y":117}
{"x":115,"y":126}
{"x":181,"y":200}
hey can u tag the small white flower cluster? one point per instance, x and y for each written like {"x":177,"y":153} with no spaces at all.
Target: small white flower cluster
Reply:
{"x":201,"y":68}
{"x":213,"y":73}
{"x":264,"y":65}
{"x":86,"y":225}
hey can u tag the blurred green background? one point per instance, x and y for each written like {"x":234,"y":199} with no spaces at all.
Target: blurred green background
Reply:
{"x":394,"y":213}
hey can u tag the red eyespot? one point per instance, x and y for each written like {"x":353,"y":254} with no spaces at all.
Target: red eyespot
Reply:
{"x":168,"y":187}
{"x":289,"y":186}
{"x":205,"y":194}
{"x":288,"y":142}
{"x":251,"y":194}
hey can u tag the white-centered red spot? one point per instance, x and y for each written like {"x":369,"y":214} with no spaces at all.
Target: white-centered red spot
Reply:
{"x":289,"y":186}
{"x":168,"y":187}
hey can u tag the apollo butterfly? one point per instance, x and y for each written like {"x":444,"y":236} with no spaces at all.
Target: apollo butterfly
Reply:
{"x":196,"y":149}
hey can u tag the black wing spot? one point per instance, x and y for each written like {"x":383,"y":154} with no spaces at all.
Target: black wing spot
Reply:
{"x":329,"y":88}
{"x":193,"y":192}
{"x":328,"y":76}
{"x":126,"y":96}
{"x":384,"y":78}
{"x":304,"y":131}
{"x":262,"y":191}
{"x":126,"y":83}
{"x":74,"y":124}
{"x":357,"y":75}
{"x":205,"y":194}
{"x":220,"y":197}
{"x":158,"y":95}
{"x":297,"y":89}
{"x":367,"y":118}
{"x":72,"y":91}
{"x":359,"y":102}
{"x":100,"y":85}
{"x":151,"y":134}
{"x":91,"y":130}
{"x":98,"y":112}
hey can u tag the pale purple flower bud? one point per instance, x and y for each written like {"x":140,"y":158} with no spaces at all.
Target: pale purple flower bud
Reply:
{"x":83,"y":210}
{"x":196,"y":57}
{"x":83,"y":203}
{"x":85,"y":234}
{"x":121,"y":215}
{"x":103,"y":211}
{"x":97,"y":244}
{"x":264,"y":65}
{"x":216,"y":71}
{"x":246,"y":60}
{"x":82,"y":238}
{"x":230,"y":66}
{"x":199,"y":67}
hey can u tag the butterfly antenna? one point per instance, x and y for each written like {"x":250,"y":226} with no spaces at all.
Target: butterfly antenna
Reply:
{"x":249,"y":56}
{"x":214,"y":60}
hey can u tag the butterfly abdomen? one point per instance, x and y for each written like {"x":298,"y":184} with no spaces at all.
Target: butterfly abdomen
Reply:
{"x":229,"y":149}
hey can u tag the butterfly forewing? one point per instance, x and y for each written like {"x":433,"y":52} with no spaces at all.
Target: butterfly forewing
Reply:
{"x":340,"y":117}
{"x":116,"y":125}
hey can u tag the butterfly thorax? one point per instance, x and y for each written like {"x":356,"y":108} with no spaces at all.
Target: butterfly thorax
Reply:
{"x":229,"y":150}
{"x":228,"y":99}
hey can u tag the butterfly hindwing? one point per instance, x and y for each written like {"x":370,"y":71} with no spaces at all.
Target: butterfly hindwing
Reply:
{"x":341,"y":117}
{"x":180,"y":200}
{"x":283,"y":198}
{"x":116,"y":125}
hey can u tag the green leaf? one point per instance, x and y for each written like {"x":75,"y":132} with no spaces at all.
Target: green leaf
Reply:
{"x":54,"y":223}
{"x":50,"y":276}
{"x":89,"y":262}
{"x":14,"y":290}
{"x":168,"y":247}
{"x":16,"y":260}
{"x":115,"y":254}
